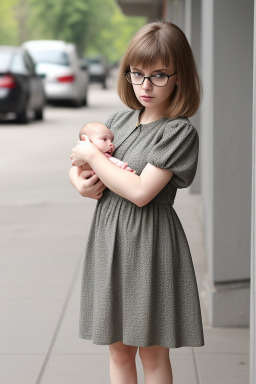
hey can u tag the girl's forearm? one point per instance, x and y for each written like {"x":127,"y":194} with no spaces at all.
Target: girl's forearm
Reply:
{"x":123,"y":183}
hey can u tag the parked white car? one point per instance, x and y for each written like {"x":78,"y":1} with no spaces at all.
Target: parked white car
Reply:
{"x":65,"y":76}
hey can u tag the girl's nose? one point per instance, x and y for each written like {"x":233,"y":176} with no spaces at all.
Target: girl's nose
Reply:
{"x":147,"y":84}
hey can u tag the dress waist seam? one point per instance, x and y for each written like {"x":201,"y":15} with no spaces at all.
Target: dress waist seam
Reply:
{"x":115,"y":198}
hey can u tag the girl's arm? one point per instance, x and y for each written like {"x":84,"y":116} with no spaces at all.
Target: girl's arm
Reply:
{"x":138,"y":189}
{"x":86,"y":183}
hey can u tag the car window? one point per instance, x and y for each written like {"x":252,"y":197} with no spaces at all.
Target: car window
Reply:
{"x":5,"y":61}
{"x":18,"y":64}
{"x":50,"y":57}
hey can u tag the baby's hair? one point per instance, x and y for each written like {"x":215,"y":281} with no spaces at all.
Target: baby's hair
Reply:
{"x":163,"y":41}
{"x":86,"y":127}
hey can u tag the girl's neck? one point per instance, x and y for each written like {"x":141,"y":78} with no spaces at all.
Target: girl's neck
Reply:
{"x":148,"y":116}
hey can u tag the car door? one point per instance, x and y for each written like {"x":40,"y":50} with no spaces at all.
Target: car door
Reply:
{"x":19,"y":70}
{"x":35,"y":83}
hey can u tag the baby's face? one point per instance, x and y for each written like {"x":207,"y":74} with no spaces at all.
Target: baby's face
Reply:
{"x":102,"y":138}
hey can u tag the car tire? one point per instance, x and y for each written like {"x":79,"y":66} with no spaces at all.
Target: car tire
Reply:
{"x":77,"y":103}
{"x":85,"y":101}
{"x":39,"y":114}
{"x":23,"y":116}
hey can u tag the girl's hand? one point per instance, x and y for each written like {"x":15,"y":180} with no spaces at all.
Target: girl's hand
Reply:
{"x":82,"y":151}
{"x":86,"y":183}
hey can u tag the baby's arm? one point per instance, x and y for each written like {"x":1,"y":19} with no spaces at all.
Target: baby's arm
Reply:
{"x":119,"y":163}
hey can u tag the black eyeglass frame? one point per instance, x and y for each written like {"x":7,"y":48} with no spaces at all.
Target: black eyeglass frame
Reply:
{"x":149,"y":77}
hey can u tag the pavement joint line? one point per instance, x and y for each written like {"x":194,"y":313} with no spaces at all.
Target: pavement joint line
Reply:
{"x":196,"y":366}
{"x":39,"y":203}
{"x":81,"y":354}
{"x":49,"y":352}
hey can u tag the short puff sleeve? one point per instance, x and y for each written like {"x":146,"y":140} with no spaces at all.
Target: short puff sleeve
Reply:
{"x":110,"y":119}
{"x":177,"y":151}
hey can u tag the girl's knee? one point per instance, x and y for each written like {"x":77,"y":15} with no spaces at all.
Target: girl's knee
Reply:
{"x":151,"y":357}
{"x":121,"y":353}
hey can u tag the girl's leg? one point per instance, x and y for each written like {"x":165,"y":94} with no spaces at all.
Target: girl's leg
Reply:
{"x":122,"y":363}
{"x":156,"y":364}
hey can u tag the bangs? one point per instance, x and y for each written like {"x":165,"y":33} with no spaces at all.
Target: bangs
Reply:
{"x":149,"y":52}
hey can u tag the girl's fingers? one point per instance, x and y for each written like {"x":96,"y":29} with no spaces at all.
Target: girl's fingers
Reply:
{"x":93,"y":179}
{"x":96,"y":184}
{"x":87,"y":174}
{"x":85,"y":138}
{"x":102,"y":188}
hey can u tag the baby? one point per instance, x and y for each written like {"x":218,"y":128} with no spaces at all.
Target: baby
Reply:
{"x":102,"y":137}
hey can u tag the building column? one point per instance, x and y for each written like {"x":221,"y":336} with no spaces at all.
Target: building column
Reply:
{"x":175,"y":12}
{"x":226,"y":136}
{"x":187,"y":15}
{"x":192,"y":29}
{"x":253,"y":228}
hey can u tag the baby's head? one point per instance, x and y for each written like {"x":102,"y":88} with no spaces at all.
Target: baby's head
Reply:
{"x":100,"y":136}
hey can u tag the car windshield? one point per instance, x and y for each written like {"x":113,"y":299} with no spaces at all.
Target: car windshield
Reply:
{"x":50,"y":57}
{"x":5,"y":61}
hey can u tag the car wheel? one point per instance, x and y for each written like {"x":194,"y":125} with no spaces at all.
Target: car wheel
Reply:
{"x":39,"y":114}
{"x":77,"y":103}
{"x":85,"y":100}
{"x":23,"y":116}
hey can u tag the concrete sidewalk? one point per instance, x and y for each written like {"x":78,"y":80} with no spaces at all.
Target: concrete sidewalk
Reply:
{"x":43,"y":235}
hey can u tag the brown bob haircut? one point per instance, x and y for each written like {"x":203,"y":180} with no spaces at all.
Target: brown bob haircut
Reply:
{"x":163,"y":41}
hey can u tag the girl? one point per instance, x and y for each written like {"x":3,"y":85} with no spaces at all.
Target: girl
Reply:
{"x":139,"y":288}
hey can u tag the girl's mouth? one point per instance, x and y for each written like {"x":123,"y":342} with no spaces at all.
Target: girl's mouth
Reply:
{"x":146,"y":97}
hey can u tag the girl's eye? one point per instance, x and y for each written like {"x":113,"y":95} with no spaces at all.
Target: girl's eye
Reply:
{"x":159,"y":76}
{"x":137,"y":74}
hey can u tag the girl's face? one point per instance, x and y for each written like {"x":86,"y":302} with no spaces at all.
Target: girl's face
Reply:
{"x":150,"y":96}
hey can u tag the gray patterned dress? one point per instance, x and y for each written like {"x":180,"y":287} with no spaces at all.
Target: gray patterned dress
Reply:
{"x":138,"y":283}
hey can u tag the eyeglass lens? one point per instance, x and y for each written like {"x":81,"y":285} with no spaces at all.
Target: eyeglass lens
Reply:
{"x":137,"y":78}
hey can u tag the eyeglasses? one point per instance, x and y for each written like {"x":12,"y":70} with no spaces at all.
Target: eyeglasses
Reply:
{"x":159,"y":79}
